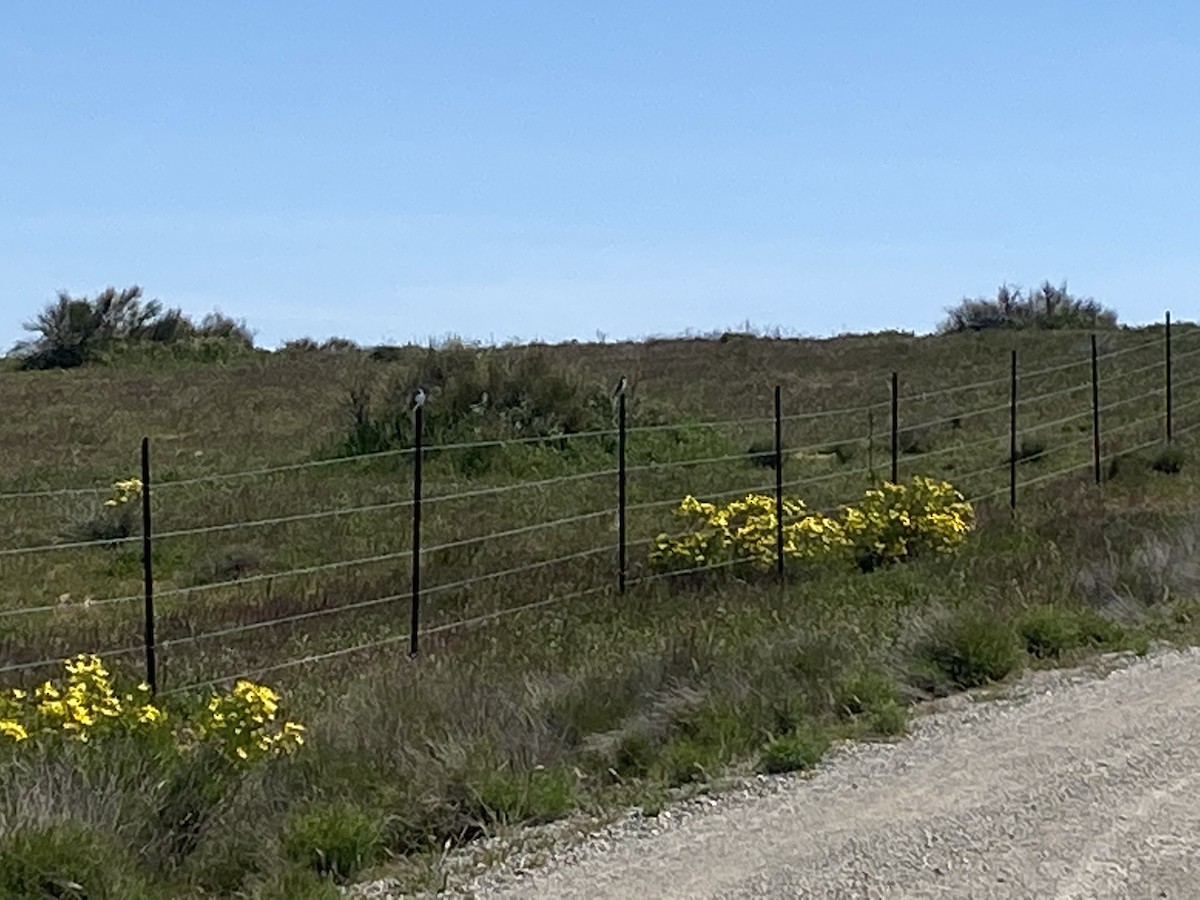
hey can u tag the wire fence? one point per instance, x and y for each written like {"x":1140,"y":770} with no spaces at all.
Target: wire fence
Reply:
{"x":602,"y":566}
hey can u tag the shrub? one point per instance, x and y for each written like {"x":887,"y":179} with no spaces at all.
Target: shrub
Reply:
{"x":889,"y":718}
{"x":974,"y":648}
{"x":199,"y":755}
{"x":73,"y":331}
{"x":745,"y":531}
{"x":798,"y":750}
{"x":892,"y":523}
{"x":1169,"y":461}
{"x":474,"y":395}
{"x":762,"y":453}
{"x":83,"y":707}
{"x":1048,"y":307}
{"x":1049,"y":631}
{"x":896,"y":522}
{"x":686,"y":760}
{"x":338,"y":840}
{"x":634,"y":755}
{"x":1096,"y":630}
{"x":872,"y":698}
{"x":119,"y":516}
{"x":241,"y":726}
{"x":865,"y":691}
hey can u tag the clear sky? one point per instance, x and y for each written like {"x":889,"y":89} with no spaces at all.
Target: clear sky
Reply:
{"x":400,"y":170}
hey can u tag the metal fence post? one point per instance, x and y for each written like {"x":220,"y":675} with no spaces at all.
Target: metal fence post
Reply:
{"x":418,"y":453}
{"x":1012,"y":436}
{"x":871,"y":447}
{"x":895,"y":427}
{"x":148,"y":571}
{"x":779,"y":480}
{"x":1095,"y":411}
{"x":1168,"y":378}
{"x":622,"y":561}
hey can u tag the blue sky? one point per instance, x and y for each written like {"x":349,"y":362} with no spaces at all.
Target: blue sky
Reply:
{"x":402,"y":170}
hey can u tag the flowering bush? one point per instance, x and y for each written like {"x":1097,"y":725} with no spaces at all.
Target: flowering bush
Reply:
{"x":899,"y":521}
{"x":892,"y":523}
{"x":743,"y":531}
{"x":117,"y":518}
{"x":242,"y":726}
{"x":124,"y":493}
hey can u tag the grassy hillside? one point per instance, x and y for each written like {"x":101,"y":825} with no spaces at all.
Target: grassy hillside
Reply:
{"x":600,"y":698}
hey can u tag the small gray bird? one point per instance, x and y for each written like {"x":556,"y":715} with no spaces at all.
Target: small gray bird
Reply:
{"x":621,"y":385}
{"x":418,"y":398}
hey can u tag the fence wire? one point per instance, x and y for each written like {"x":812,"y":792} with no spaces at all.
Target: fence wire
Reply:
{"x":608,"y":548}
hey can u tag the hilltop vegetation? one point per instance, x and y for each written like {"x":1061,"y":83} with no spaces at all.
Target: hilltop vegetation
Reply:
{"x":1046,"y":307}
{"x":74,"y":331}
{"x":281,"y":495}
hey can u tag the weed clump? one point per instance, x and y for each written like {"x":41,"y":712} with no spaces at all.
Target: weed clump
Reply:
{"x":1169,"y":461}
{"x":974,"y":648}
{"x":871,"y":697}
{"x":337,"y":840}
{"x":1048,"y":632}
{"x":503,"y":796}
{"x":797,"y":751}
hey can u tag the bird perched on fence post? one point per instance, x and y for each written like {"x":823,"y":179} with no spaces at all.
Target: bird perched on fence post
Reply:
{"x":621,"y":385}
{"x":418,"y":398}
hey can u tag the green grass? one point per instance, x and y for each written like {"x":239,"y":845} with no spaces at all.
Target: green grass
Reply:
{"x":588,"y":703}
{"x":338,"y":840}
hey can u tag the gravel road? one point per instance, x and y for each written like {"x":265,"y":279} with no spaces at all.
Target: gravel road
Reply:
{"x":1075,"y":786}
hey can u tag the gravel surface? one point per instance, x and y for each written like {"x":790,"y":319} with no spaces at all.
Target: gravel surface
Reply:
{"x":1073,"y":783}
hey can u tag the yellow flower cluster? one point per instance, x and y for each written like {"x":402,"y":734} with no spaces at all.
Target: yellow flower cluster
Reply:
{"x":242,"y":725}
{"x":125,"y":492}
{"x":898,"y":521}
{"x":892,"y":523}
{"x":745,"y":531}
{"x":84,"y":706}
